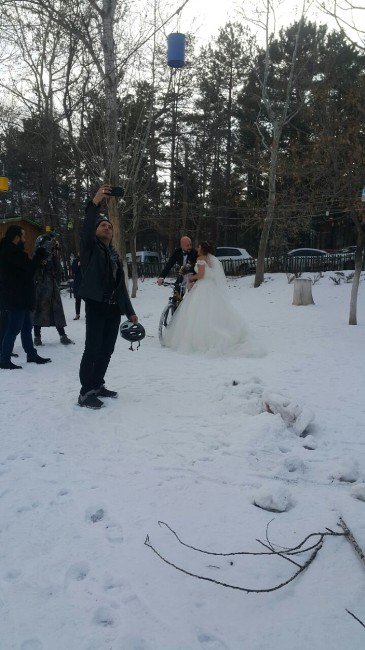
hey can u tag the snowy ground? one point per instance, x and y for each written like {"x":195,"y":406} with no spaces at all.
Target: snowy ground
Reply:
{"x":187,"y":443}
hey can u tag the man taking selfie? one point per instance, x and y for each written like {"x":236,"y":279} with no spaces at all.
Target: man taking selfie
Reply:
{"x":104,"y":291}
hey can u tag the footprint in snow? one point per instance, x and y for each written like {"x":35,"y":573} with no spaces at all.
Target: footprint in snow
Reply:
{"x":294,"y":464}
{"x":112,"y":584}
{"x":210,"y":642}
{"x":93,"y":515}
{"x":133,"y":643}
{"x":27,"y":508}
{"x":103,"y":616}
{"x":11,"y":575}
{"x":77,"y":571}
{"x":31,"y":644}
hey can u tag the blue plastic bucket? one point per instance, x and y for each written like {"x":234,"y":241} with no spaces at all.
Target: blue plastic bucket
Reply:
{"x":176,"y":50}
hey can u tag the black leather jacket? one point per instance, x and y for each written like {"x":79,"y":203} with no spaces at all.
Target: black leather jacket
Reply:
{"x":17,"y":290}
{"x":96,"y":268}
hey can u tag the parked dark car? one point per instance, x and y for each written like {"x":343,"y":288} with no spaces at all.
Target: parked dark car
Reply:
{"x":304,"y":259}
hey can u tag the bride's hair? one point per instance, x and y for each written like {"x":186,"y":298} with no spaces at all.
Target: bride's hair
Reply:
{"x":207,"y":247}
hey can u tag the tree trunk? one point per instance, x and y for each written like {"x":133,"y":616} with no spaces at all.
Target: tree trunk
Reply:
{"x":172,"y":219}
{"x":356,"y":279}
{"x":134,"y":267}
{"x":302,"y":294}
{"x":133,"y":239}
{"x":260,"y":266}
{"x":123,"y":246}
{"x":111,"y":114}
{"x":228,"y":158}
{"x":278,"y":121}
{"x":185,"y":191}
{"x":76,"y":212}
{"x":47,"y":125}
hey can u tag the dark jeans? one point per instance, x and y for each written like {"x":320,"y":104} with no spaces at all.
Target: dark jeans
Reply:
{"x":77,"y":306}
{"x":3,"y":325}
{"x":19,"y":321}
{"x":102,"y":325}
{"x":37,"y":330}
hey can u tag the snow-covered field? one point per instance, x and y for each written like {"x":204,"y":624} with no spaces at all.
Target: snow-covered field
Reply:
{"x":188,"y":442}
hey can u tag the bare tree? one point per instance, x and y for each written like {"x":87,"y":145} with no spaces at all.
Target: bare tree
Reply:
{"x":278,"y":112}
{"x":99,"y":25}
{"x":35,"y":84}
{"x":348,"y":17}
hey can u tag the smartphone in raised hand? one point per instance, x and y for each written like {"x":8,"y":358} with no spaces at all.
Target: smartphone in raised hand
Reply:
{"x":116,"y":191}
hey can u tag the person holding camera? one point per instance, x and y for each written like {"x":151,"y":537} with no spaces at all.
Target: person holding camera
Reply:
{"x":17,"y":295}
{"x":48,"y":308}
{"x":103,"y":288}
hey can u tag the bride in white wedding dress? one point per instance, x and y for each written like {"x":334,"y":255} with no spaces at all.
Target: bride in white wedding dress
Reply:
{"x":205,"y":320}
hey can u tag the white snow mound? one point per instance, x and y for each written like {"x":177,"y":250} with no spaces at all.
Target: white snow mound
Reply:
{"x":309,"y":442}
{"x":295,"y":416}
{"x":274,"y":499}
{"x":348,"y":472}
{"x":358,"y":491}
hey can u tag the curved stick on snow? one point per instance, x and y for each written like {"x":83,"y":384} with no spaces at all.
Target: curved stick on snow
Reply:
{"x":286,"y":551}
{"x":225,"y":584}
{"x":279,"y":554}
{"x":295,"y":549}
{"x":348,"y":534}
{"x":355,"y":617}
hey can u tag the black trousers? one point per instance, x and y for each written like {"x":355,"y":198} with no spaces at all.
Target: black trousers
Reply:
{"x":3,"y":324}
{"x":77,"y":305}
{"x":102,"y":326}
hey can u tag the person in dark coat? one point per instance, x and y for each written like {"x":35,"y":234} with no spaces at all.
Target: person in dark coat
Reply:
{"x":77,"y":277}
{"x":104,"y":291}
{"x":184,"y":257}
{"x":17,"y":295}
{"x":3,"y":328}
{"x":49,"y":309}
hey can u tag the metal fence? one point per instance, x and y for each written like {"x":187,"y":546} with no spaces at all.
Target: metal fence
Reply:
{"x":311,"y":263}
{"x":278,"y":264}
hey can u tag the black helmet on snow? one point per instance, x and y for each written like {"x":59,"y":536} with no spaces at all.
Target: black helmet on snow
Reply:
{"x":132,"y":332}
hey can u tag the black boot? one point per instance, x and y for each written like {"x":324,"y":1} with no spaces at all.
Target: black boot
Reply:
{"x":104,"y":392}
{"x":90,"y":401}
{"x":39,"y":360}
{"x":9,"y":365}
{"x":65,"y":340}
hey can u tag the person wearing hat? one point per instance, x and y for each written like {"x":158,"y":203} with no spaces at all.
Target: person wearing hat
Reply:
{"x":104,"y":291}
{"x":48,"y":305}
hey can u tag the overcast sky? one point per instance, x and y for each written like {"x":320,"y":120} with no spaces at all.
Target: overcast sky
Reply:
{"x":206,"y":16}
